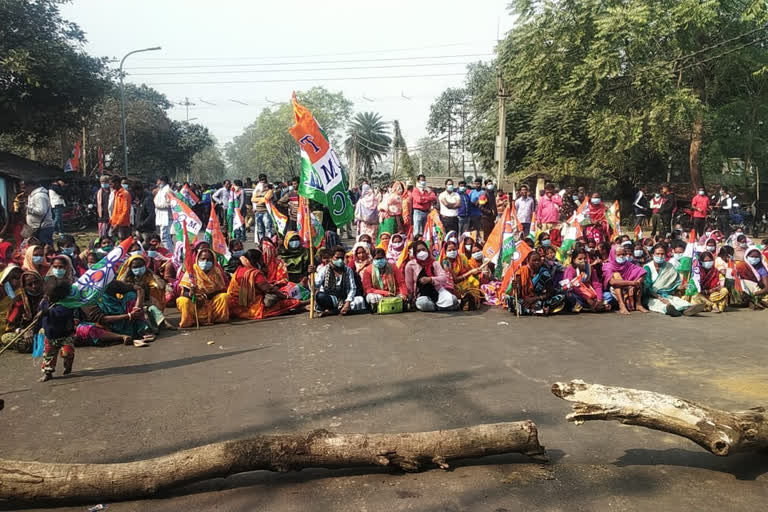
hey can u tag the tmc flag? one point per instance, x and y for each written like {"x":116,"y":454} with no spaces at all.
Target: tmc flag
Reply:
{"x":322,"y":176}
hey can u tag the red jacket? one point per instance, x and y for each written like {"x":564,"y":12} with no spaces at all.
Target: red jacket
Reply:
{"x":368,"y":286}
{"x":702,"y":203}
{"x":121,"y":208}
{"x":423,"y":199}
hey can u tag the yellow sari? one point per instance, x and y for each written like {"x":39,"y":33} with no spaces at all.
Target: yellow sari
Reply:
{"x":214,"y":309}
{"x":149,"y":281}
{"x":459,"y":266}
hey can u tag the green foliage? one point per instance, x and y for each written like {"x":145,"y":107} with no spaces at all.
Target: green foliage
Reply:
{"x":405,"y":168}
{"x":208,"y":166}
{"x":367,"y":143}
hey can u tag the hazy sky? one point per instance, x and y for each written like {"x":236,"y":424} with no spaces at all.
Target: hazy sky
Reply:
{"x":280,"y":46}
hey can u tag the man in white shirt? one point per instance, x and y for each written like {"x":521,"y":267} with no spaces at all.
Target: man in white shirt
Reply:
{"x":56,"y":197}
{"x":723,"y":208}
{"x":449,"y":201}
{"x":163,"y":217}
{"x":39,"y":213}
{"x":524,"y":205}
{"x":221,"y":199}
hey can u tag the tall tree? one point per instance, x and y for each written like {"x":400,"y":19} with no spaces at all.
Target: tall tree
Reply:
{"x":404,"y":163}
{"x":367,"y":143}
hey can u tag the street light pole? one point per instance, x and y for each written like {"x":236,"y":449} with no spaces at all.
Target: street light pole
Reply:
{"x":122,"y":105}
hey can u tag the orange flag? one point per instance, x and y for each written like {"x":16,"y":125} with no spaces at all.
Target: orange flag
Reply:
{"x":521,"y":254}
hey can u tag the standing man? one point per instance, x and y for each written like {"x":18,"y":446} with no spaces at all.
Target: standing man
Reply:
{"x":237,"y":196}
{"x":221,"y":200}
{"x":39,"y":213}
{"x":163,"y":212}
{"x":56,"y":196}
{"x":548,"y":211}
{"x":103,"y":202}
{"x":723,"y":207}
{"x":475,"y":213}
{"x":449,"y":207}
{"x":423,"y":197}
{"x":700,"y":205}
{"x":464,"y":208}
{"x":668,"y":207}
{"x":144,"y":210}
{"x":524,"y":206}
{"x":640,"y":205}
{"x":657,"y":225}
{"x":261,"y":194}
{"x":290,"y":199}
{"x":121,"y":209}
{"x":489,"y":209}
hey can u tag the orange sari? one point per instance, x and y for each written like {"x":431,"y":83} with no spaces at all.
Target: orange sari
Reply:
{"x":246,"y":300}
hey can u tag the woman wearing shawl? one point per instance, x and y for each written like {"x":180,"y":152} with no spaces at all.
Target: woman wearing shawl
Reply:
{"x":251,"y":295}
{"x":23,"y":310}
{"x":136,"y":272}
{"x":395,"y":250}
{"x":662,"y":281}
{"x":391,"y":210}
{"x":384,"y":239}
{"x":597,"y":230}
{"x":367,"y":213}
{"x":296,"y":258}
{"x":584,"y":288}
{"x":68,"y":247}
{"x":207,"y":285}
{"x":625,"y":280}
{"x":429,"y":286}
{"x":361,"y":257}
{"x":466,"y":276}
{"x":117,"y":315}
{"x":754,"y":278}
{"x":466,"y":245}
{"x":537,"y":292}
{"x":61,"y":268}
{"x":712,"y":293}
{"x":10,"y":281}
{"x":382,"y":279}
{"x":34,"y":260}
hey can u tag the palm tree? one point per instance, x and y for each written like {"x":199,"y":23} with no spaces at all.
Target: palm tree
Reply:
{"x":367,"y":142}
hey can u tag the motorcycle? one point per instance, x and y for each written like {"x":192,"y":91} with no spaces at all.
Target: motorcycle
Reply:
{"x":77,"y":217}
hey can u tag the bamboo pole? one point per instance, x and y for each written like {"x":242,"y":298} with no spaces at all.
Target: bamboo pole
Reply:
{"x":312,"y":280}
{"x":21,"y":333}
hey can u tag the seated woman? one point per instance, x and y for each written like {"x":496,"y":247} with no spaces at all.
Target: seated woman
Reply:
{"x":236,"y":249}
{"x":625,"y":281}
{"x":207,"y":285}
{"x":34,"y":260}
{"x":335,"y":289}
{"x":23,"y":309}
{"x":118,"y":310}
{"x":430,"y":288}
{"x":543,"y":242}
{"x":296,"y":258}
{"x":251,"y":296}
{"x":466,"y":276}
{"x":712,"y":293}
{"x":384,"y":239}
{"x":640,"y":256}
{"x":61,"y":268}
{"x":555,"y":267}
{"x":136,"y":272}
{"x":382,"y":279}
{"x":537,"y":292}
{"x":10,"y":284}
{"x":395,"y":250}
{"x":466,"y":245}
{"x":68,"y":248}
{"x":361,"y":257}
{"x":754,"y":278}
{"x":726,"y":267}
{"x":584,"y":286}
{"x":157,"y":255}
{"x":102,"y":245}
{"x":662,"y":281}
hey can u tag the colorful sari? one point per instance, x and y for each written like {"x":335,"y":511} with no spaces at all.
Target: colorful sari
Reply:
{"x":534,"y":285}
{"x":153,"y":286}
{"x":469,"y":286}
{"x":598,"y":228}
{"x":213,"y":310}
{"x":713,"y":295}
{"x":580,"y":292}
{"x":752,"y":279}
{"x":247,"y":301}
{"x":664,"y":282}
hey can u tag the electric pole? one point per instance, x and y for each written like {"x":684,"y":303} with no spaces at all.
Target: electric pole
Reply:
{"x":502,"y":137}
{"x":187,"y":104}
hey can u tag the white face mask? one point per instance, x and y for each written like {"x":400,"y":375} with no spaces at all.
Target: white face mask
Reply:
{"x":638,"y":253}
{"x":468,"y":247}
{"x":753,"y":260}
{"x":422,"y":255}
{"x":451,"y":254}
{"x":707,"y":264}
{"x":477,"y":255}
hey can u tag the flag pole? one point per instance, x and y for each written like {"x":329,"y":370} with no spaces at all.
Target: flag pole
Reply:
{"x":312,"y":279}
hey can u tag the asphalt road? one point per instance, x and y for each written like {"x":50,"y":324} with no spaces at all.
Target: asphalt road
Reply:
{"x":406,"y":373}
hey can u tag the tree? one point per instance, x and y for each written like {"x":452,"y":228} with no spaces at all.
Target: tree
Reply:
{"x":367,"y":143}
{"x":207,"y":166}
{"x":404,"y":164}
{"x":432,"y":156}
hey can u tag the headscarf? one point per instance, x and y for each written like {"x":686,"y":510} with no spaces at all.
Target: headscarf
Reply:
{"x":752,"y":272}
{"x":628,"y":270}
{"x":452,"y":236}
{"x":368,"y":203}
{"x":427,"y":264}
{"x":597,"y":213}
{"x":70,"y":274}
{"x":29,"y":264}
{"x":276,"y":271}
{"x":393,"y":253}
{"x":209,"y":282}
{"x":30,"y":308}
{"x":360,"y":265}
{"x":289,"y":235}
{"x":709,"y":279}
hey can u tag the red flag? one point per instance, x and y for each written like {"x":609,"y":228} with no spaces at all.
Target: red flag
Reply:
{"x":521,"y":254}
{"x":73,"y":162}
{"x":215,"y":237}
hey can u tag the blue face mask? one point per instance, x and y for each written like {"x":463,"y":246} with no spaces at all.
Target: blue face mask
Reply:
{"x":638,"y":253}
{"x":37,"y":260}
{"x":105,"y":186}
{"x":620,"y":259}
{"x":451,"y":254}
{"x":338,"y":262}
{"x":489,"y":187}
{"x":59,"y":272}
{"x":294,"y":244}
{"x":462,"y":189}
{"x":205,"y":265}
{"x":237,"y":254}
{"x":449,"y":188}
{"x":68,"y":251}
{"x":753,"y":260}
{"x":152,"y":254}
{"x":139,"y":271}
{"x":575,"y":199}
{"x":658,"y":259}
{"x":422,"y":184}
{"x":707,"y":264}
{"x":135,"y":253}
{"x":125,"y":187}
{"x":9,"y":290}
{"x":546,"y":243}
{"x":595,"y":200}
{"x":380,"y":262}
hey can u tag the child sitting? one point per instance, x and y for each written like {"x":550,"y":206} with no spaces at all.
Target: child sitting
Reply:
{"x":59,"y":325}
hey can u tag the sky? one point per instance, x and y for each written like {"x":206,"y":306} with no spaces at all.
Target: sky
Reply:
{"x":399,"y":55}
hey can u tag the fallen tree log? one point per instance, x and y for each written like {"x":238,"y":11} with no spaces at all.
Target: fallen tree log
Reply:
{"x":720,"y":432}
{"x":319,"y":448}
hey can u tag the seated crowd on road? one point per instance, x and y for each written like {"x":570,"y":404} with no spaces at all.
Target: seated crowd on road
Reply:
{"x":413,"y":249}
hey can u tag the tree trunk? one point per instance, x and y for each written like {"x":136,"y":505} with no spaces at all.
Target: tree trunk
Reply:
{"x":694,"y":152}
{"x":720,"y":432}
{"x":319,"y":448}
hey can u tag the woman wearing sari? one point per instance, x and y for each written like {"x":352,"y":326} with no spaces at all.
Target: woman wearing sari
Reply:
{"x":68,"y":247}
{"x":10,"y":283}
{"x":391,"y":210}
{"x":395,"y":249}
{"x":361,"y":257}
{"x":712,"y":293}
{"x":662,"y":282}
{"x":537,"y":293}
{"x":597,"y":229}
{"x":61,"y":268}
{"x":466,"y":281}
{"x":367,"y":213}
{"x":382,"y":279}
{"x":584,"y":287}
{"x":34,"y":260}
{"x":754,"y":278}
{"x":429,"y":286}
{"x":207,"y":284}
{"x":251,"y":295}
{"x":625,"y":281}
{"x":117,"y":314}
{"x":296,"y":258}
{"x":23,"y":310}
{"x":136,"y":272}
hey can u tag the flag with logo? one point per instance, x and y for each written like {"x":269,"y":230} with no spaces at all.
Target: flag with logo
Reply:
{"x":638,"y":233}
{"x":569,"y":233}
{"x":581,"y":213}
{"x":613,"y":216}
{"x":309,"y":228}
{"x":182,"y":214}
{"x":279,"y":220}
{"x":89,"y":287}
{"x":500,"y":246}
{"x":73,"y":162}
{"x":694,"y":283}
{"x":322,"y":179}
{"x":189,"y":195}
{"x":215,"y":237}
{"x":522,"y":250}
{"x":434,"y":233}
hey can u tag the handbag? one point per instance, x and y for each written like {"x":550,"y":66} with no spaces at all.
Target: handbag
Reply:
{"x":390,"y":305}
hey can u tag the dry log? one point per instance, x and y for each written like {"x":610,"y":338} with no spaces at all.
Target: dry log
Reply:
{"x":720,"y":432}
{"x":319,"y":448}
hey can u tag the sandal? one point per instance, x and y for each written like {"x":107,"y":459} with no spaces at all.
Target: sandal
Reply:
{"x":140,"y":343}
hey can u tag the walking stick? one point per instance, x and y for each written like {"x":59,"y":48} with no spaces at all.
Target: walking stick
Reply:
{"x":517,"y":304}
{"x":312,"y":280}
{"x":24,"y":331}
{"x":197,"y":320}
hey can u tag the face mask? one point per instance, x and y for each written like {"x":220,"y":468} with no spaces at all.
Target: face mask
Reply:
{"x":139,"y":271}
{"x":711,"y":248}
{"x":37,"y":260}
{"x":294,"y":244}
{"x":477,"y":255}
{"x":396,"y":245}
{"x":489,"y":187}
{"x":422,"y":184}
{"x":462,"y":189}
{"x":105,"y":186}
{"x":106,"y":248}
{"x":546,"y":243}
{"x":338,"y":262}
{"x":638,"y":253}
{"x":451,"y":254}
{"x":702,"y":193}
{"x":134,"y":253}
{"x":707,"y":264}
{"x":620,"y":259}
{"x":152,"y":254}
{"x":9,"y":290}
{"x":237,"y":254}
{"x":367,"y":245}
{"x":68,"y":251}
{"x":744,"y":245}
{"x":658,"y":259}
{"x":595,"y":200}
{"x":380,"y":262}
{"x":575,"y":198}
{"x":677,"y":255}
{"x":708,"y":233}
{"x":290,"y":188}
{"x":59,"y":272}
{"x":125,"y":187}
{"x":753,"y":260}
{"x":422,"y":255}
{"x":449,"y":188}
{"x":205,"y":265}
{"x":657,"y":196}
{"x":478,"y":187}
{"x":468,"y":247}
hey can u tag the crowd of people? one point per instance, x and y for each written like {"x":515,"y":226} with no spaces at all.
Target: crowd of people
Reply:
{"x":393,"y":266}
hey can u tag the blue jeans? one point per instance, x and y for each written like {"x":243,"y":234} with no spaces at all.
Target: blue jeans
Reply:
{"x":57,"y":218}
{"x":263,"y":225}
{"x":165,"y":237}
{"x":419,"y":219}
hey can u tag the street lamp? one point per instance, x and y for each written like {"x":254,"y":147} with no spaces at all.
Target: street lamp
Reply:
{"x":122,"y":105}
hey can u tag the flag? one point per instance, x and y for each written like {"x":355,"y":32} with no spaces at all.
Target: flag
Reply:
{"x":613,"y":215}
{"x":89,"y":287}
{"x":692,"y":237}
{"x":694,"y":283}
{"x":522,"y":250}
{"x":189,"y":258}
{"x":190,"y":196}
{"x":500,"y":245}
{"x":322,"y":177}
{"x":235,"y":219}
{"x":215,"y":237}
{"x":101,"y":161}
{"x":182,"y":214}
{"x":279,"y":220}
{"x":307,"y":225}
{"x":569,"y":232}
{"x":237,"y":222}
{"x":73,"y":162}
{"x":638,"y":233}
{"x":434,"y":233}
{"x":580,"y":215}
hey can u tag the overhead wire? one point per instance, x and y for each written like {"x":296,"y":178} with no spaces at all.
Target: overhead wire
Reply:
{"x":386,"y":66}
{"x":318,"y":79}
